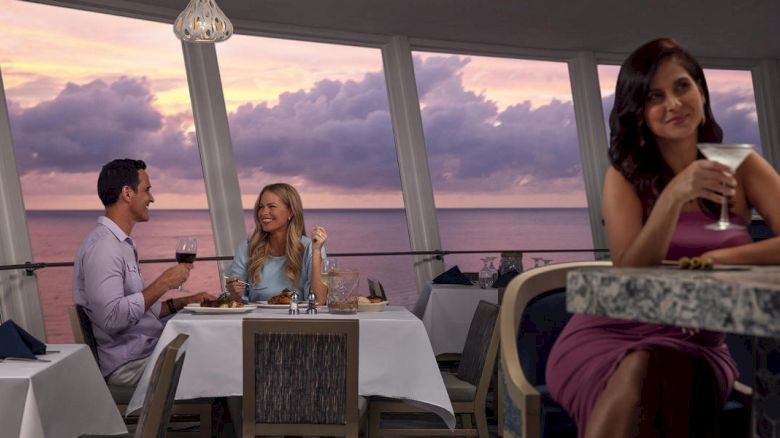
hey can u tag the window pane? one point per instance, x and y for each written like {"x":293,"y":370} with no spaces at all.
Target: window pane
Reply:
{"x":77,"y":102}
{"x":316,"y":116}
{"x":504,"y":157}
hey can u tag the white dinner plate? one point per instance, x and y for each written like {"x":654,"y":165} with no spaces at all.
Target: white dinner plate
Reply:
{"x":196,"y":308}
{"x":265,"y":305}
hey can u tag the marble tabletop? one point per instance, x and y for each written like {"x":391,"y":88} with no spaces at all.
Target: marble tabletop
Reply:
{"x":743,"y":300}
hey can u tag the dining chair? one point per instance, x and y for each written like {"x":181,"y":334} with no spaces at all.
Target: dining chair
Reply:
{"x":533,"y":315}
{"x":301,"y":377}
{"x":158,"y":403}
{"x":467,"y":388}
{"x":185,"y":412}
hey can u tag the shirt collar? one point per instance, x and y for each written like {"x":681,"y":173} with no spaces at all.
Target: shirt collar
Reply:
{"x":114,"y":228}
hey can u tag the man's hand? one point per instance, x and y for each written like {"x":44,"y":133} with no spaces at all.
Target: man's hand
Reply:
{"x":175,"y":276}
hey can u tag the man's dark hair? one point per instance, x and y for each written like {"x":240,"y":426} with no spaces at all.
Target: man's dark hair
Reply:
{"x":115,"y":175}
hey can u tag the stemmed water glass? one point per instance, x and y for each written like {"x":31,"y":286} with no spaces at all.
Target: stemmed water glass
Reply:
{"x":493,"y":270}
{"x":485,"y":274}
{"x":186,"y":251}
{"x":732,"y":155}
{"x":328,"y":265}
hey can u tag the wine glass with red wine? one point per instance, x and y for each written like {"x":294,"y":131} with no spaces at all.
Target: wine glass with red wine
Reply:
{"x":186,"y":250}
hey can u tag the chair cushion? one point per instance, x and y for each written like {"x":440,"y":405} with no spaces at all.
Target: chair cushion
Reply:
{"x":457,"y":389}
{"x":289,"y":366}
{"x":542,"y":321}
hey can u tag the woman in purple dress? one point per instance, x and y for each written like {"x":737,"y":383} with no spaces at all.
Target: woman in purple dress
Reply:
{"x":622,"y":378}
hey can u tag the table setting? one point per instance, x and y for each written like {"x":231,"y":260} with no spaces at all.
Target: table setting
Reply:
{"x":395,"y":355}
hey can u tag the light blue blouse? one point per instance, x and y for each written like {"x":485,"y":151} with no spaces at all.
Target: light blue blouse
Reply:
{"x":273,"y":278}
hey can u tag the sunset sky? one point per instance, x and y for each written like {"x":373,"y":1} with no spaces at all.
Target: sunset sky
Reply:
{"x":84,"y":88}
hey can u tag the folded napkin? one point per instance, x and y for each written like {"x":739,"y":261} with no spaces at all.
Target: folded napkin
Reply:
{"x":16,"y":342}
{"x":375,"y":289}
{"x":505,"y":278}
{"x":452,"y":276}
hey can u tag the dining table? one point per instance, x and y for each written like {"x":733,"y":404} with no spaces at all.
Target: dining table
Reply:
{"x":448,"y":313}
{"x":395,"y":356}
{"x":60,"y":394}
{"x":733,"y":299}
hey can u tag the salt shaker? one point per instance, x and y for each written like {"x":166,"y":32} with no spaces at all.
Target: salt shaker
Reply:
{"x":312,"y":303}
{"x":294,"y":304}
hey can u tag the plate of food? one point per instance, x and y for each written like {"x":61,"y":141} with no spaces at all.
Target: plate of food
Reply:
{"x":278,"y":301}
{"x":371,"y":304}
{"x":212,"y":307}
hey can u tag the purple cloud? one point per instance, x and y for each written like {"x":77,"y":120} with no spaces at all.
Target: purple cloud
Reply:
{"x":337,"y":134}
{"x":87,"y":125}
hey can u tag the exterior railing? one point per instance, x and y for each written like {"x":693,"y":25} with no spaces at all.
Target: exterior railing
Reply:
{"x":31,"y":267}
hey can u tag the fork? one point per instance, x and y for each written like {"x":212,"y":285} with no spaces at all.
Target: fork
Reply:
{"x":243,"y":282}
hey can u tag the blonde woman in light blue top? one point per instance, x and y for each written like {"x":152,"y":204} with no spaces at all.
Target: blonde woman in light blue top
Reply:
{"x":278,"y":254}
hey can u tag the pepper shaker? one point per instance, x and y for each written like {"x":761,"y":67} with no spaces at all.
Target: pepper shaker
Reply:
{"x":312,"y":303}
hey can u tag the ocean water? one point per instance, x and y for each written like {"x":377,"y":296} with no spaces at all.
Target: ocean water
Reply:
{"x":55,"y":236}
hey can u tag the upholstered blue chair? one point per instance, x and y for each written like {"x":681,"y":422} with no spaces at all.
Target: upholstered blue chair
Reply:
{"x":533,"y":315}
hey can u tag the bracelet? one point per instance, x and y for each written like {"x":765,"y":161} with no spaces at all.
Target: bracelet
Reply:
{"x":171,"y":307}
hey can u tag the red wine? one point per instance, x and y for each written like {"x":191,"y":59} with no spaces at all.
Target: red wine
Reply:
{"x":185,"y":257}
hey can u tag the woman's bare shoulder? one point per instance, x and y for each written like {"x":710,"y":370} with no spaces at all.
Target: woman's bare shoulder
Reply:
{"x":615,"y":180}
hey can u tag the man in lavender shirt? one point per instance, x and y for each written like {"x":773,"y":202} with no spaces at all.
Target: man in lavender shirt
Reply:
{"x":107,"y":280}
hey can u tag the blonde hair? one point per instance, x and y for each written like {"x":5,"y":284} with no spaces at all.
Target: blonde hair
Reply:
{"x":259,"y":248}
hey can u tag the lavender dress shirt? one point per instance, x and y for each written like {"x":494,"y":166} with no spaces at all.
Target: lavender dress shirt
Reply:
{"x":107,"y":282}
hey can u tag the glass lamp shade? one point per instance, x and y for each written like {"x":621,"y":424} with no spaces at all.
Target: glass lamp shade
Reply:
{"x":202,"y":22}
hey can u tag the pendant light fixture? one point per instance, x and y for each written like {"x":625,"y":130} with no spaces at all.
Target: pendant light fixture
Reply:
{"x":202,"y":21}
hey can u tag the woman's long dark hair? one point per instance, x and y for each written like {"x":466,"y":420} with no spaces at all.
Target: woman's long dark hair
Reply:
{"x":633,"y":149}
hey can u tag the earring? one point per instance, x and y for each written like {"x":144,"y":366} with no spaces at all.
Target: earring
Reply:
{"x":289,"y":219}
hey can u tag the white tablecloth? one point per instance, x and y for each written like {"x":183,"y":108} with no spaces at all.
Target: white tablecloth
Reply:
{"x":66,"y":397}
{"x":448,"y":314}
{"x":395,"y":357}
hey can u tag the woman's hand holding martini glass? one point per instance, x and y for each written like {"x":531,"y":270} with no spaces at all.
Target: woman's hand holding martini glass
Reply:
{"x":732,"y":155}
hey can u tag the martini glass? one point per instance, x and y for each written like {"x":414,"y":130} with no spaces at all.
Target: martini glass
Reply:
{"x":732,"y":155}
